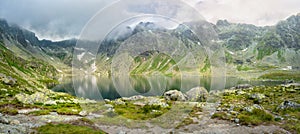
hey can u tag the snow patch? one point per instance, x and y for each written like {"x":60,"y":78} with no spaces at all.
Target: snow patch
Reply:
{"x":230,"y":52}
{"x":79,"y":56}
{"x":76,"y":48}
{"x":245,"y":49}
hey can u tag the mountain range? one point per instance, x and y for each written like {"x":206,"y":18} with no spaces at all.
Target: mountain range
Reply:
{"x":247,"y":47}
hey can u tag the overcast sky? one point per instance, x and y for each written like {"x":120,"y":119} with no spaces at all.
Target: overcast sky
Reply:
{"x":62,"y":19}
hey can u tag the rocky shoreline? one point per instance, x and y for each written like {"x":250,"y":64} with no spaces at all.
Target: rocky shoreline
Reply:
{"x":257,"y":109}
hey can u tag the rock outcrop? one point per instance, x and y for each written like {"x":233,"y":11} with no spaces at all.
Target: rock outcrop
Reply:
{"x":175,"y":95}
{"x":198,"y":94}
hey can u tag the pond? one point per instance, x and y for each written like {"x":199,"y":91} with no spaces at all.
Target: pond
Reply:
{"x":98,"y":88}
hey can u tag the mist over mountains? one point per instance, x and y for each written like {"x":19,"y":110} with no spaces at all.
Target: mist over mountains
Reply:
{"x":245,"y":45}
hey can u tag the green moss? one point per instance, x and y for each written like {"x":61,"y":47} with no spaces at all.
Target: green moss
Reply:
{"x":9,"y":111}
{"x":67,"y":129}
{"x":243,"y":68}
{"x":68,"y":111}
{"x":185,"y":122}
{"x":282,"y":75}
{"x":136,"y":112}
{"x":292,"y":126}
{"x":221,"y":115}
{"x":40,"y":112}
{"x":256,"y":117}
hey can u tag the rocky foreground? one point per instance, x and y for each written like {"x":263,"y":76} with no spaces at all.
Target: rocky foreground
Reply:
{"x":243,"y":108}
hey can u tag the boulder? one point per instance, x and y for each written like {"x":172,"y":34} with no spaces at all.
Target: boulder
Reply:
{"x":175,"y":95}
{"x":15,"y":122}
{"x":198,"y":94}
{"x":4,"y":120}
{"x":9,"y":81}
{"x":243,"y":86}
{"x":257,"y":96}
{"x":251,"y":108}
{"x":37,"y":97}
{"x":83,"y":113}
{"x":119,"y":102}
{"x":156,"y":102}
{"x":288,"y":104}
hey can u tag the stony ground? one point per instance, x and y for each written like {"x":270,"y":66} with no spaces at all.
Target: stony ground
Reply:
{"x":228,"y":111}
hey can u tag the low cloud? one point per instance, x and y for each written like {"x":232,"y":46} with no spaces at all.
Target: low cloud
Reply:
{"x":51,"y":19}
{"x":61,"y":19}
{"x":258,"y":12}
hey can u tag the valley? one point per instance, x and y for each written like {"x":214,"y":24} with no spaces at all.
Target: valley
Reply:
{"x":48,"y":86}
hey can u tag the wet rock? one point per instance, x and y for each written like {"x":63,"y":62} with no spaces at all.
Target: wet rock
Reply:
{"x":3,"y":120}
{"x":15,"y":122}
{"x":198,"y":94}
{"x":175,"y":95}
{"x":288,"y":104}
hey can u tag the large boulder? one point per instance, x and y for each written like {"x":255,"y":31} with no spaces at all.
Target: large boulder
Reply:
{"x":198,"y":94}
{"x":175,"y":95}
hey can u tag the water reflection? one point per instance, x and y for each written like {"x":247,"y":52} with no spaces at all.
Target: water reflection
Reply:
{"x":98,"y":88}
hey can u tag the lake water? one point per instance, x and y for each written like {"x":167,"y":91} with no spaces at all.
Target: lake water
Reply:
{"x":98,"y":88}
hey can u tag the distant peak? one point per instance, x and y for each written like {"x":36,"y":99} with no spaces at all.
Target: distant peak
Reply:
{"x":223,"y":23}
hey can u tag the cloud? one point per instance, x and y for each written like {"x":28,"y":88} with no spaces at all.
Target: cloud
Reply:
{"x":61,"y":19}
{"x":51,"y":19}
{"x":258,"y":12}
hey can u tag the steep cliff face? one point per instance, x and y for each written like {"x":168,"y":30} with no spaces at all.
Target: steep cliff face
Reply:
{"x":276,"y":46}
